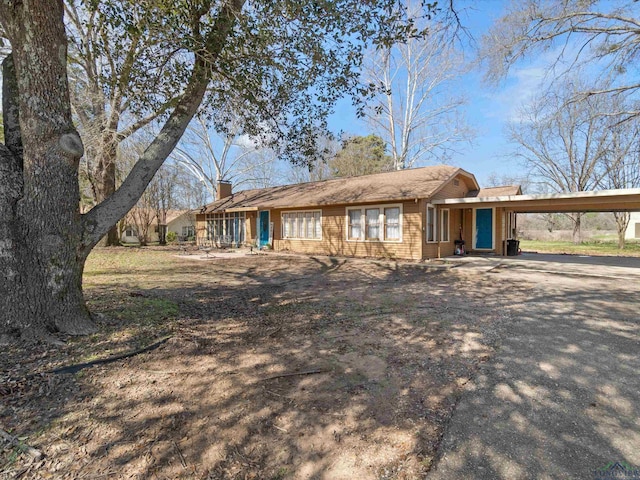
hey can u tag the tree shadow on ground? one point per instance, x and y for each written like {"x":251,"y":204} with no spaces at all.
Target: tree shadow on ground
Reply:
{"x":560,"y":399}
{"x":391,"y":346}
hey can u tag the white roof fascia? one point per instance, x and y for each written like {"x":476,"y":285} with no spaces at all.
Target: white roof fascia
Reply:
{"x":544,"y":196}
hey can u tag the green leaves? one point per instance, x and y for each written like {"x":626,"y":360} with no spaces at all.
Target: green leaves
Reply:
{"x":279,"y":71}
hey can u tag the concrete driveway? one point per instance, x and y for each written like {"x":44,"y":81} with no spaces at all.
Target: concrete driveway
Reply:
{"x":561,"y":398}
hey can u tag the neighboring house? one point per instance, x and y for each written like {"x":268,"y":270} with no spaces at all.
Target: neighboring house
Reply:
{"x":633,"y":229}
{"x":181,"y":222}
{"x":389,"y":214}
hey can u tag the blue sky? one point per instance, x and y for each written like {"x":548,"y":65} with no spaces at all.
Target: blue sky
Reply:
{"x":488,"y":109}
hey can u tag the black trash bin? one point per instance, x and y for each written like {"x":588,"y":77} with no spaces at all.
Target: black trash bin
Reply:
{"x":512,"y":247}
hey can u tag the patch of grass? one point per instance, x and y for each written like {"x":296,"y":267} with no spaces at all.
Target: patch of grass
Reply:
{"x":127,"y":323}
{"x":281,"y":474}
{"x":133,"y":311}
{"x":125,"y":260}
{"x":593,"y":247}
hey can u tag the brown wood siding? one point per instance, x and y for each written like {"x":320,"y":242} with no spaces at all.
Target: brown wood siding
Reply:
{"x":201,"y":228}
{"x":251,"y":228}
{"x":501,"y":248}
{"x":468,"y":229}
{"x":334,"y":241}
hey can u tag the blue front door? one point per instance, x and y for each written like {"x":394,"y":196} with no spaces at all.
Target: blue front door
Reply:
{"x":484,"y":228}
{"x":263,"y":228}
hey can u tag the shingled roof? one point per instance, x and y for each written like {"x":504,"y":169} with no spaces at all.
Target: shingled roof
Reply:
{"x":495,"y":191}
{"x":380,"y":187}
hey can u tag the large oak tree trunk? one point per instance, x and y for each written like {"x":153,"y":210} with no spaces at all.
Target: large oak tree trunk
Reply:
{"x":42,"y":255}
{"x":44,"y":240}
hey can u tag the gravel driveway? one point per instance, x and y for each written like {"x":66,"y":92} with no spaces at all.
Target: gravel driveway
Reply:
{"x":561,"y":398}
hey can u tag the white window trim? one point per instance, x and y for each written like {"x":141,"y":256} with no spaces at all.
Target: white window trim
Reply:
{"x":446,"y":228}
{"x":435,"y":224}
{"x":493,"y":230}
{"x":384,"y":224}
{"x":381,"y":223}
{"x":298,"y":238}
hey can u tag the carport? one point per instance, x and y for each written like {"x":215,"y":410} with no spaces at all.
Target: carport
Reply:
{"x":488,"y":222}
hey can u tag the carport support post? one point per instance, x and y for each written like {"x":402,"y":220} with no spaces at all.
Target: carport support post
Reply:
{"x":505,"y":233}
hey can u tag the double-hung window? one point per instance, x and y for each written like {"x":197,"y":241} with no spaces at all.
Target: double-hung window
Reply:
{"x":444,"y":225}
{"x":302,"y":225}
{"x":392,"y":223}
{"x":354,"y":224}
{"x":375,"y":223}
{"x":372,"y":217}
{"x":431,"y":223}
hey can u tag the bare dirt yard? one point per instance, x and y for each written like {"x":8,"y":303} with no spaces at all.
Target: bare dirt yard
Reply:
{"x":273,"y":367}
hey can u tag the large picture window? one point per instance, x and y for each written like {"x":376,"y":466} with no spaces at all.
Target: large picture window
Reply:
{"x":379,"y":223}
{"x":302,"y":225}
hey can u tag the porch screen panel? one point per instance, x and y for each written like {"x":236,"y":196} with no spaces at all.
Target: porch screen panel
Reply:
{"x":240,"y":222}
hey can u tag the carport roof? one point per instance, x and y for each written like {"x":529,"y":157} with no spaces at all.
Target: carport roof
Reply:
{"x":596,"y":201}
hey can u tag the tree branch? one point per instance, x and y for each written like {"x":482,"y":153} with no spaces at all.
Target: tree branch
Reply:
{"x":101,"y":218}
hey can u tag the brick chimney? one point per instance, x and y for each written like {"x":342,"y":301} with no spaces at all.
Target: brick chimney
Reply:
{"x":224,"y":190}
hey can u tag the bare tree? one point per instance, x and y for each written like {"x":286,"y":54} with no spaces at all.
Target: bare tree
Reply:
{"x":229,"y":156}
{"x":261,"y":169}
{"x":564,"y":148}
{"x":163,"y":190}
{"x":415,"y":111}
{"x":317,"y":169}
{"x":141,"y":218}
{"x":190,"y":193}
{"x":622,"y":164}
{"x":606,"y":34}
{"x":496,"y":179}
